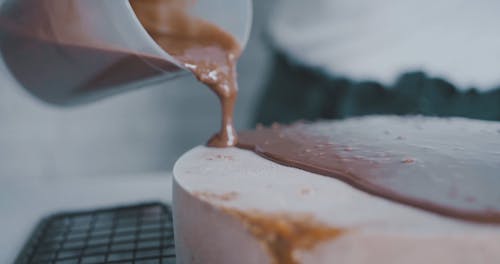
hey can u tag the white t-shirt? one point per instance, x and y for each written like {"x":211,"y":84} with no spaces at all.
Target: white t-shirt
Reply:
{"x":458,"y":40}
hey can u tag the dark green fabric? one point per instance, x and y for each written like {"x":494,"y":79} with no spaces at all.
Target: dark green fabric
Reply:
{"x":301,"y":93}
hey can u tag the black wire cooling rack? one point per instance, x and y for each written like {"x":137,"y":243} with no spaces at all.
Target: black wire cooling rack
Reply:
{"x":138,"y":234}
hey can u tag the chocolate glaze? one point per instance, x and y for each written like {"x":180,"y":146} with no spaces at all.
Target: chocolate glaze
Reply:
{"x":205,"y":49}
{"x":447,"y":166}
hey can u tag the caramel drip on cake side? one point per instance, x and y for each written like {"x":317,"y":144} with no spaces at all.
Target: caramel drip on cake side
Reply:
{"x":282,"y":234}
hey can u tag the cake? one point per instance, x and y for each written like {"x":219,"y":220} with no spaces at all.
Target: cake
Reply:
{"x":234,"y":206}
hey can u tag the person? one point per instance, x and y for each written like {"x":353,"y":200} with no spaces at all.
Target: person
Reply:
{"x":340,"y":58}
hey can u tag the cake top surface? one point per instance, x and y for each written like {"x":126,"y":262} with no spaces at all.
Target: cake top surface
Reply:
{"x":432,"y":148}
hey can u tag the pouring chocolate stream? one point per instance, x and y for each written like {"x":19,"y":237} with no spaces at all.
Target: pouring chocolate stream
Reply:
{"x":206,"y":50}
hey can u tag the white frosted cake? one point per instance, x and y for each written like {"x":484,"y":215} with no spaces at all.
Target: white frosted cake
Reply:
{"x":233,"y":206}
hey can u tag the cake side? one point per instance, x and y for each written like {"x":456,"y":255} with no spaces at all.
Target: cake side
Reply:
{"x":249,"y":210}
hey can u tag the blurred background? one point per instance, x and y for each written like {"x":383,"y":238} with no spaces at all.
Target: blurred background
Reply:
{"x":317,"y":59}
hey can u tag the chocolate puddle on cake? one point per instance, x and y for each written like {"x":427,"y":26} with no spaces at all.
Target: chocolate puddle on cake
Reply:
{"x":205,"y":49}
{"x":447,"y":166}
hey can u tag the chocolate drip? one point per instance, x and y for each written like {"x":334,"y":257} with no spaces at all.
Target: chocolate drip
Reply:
{"x":446,"y":166}
{"x":205,"y":49}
